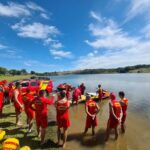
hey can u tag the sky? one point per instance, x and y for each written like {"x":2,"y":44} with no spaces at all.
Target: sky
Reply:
{"x":60,"y":35}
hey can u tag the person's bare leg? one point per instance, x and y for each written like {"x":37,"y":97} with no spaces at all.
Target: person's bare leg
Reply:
{"x":30,"y":125}
{"x":107,"y":134}
{"x":38,"y":131}
{"x":65,"y":131}
{"x":93,"y":130}
{"x":43,"y":131}
{"x":116,"y":133}
{"x":86,"y":130}
{"x":58,"y":135}
{"x":123,"y":128}
{"x":18,"y":119}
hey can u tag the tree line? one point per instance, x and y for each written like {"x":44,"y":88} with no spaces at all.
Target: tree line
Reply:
{"x":4,"y":71}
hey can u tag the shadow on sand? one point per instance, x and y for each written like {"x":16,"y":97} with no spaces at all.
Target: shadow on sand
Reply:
{"x":88,"y":140}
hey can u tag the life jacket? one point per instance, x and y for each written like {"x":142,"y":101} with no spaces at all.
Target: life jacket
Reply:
{"x":62,"y":107}
{"x":91,"y":106}
{"x":125,"y":106}
{"x":116,"y":107}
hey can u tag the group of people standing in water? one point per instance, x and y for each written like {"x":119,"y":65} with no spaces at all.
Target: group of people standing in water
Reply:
{"x":36,"y":107}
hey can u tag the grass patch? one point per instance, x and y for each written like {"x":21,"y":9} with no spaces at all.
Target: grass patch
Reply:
{"x":10,"y":78}
{"x":7,"y":122}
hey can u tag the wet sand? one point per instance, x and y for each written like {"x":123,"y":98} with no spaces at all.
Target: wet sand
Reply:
{"x":137,"y":134}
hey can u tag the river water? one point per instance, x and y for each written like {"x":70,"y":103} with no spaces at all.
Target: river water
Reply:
{"x":136,"y":88}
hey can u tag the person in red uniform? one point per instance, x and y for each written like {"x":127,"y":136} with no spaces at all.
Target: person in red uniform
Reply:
{"x":82,"y":88}
{"x":92,"y":110}
{"x":39,"y":105}
{"x":76,"y":95}
{"x":18,"y":103}
{"x":10,"y":92}
{"x":1,"y":98}
{"x":62,"y":106}
{"x":6,"y":94}
{"x":68,"y":91}
{"x":115,"y":115}
{"x":124,"y":105}
{"x":27,"y":99}
{"x":100,"y":92}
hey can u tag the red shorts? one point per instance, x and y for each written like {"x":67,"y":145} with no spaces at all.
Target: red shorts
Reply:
{"x":30,"y":113}
{"x":1,"y":105}
{"x":112,"y":123}
{"x":18,"y":109}
{"x":123,"y":119}
{"x":63,"y":122}
{"x":42,"y":121}
{"x":90,"y":122}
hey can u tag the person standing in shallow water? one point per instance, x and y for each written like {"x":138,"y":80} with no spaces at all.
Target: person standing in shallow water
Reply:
{"x":82,"y":88}
{"x":100,"y":92}
{"x":18,"y":103}
{"x":63,"y":122}
{"x":124,"y":105}
{"x":92,"y":110}
{"x":115,"y":115}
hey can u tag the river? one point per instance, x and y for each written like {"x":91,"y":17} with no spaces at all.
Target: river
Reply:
{"x":136,"y":88}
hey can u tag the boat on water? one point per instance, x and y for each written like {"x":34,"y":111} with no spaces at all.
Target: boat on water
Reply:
{"x":94,"y":96}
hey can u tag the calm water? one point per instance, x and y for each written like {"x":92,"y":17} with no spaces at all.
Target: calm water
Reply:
{"x":136,"y":87}
{"x":137,"y":136}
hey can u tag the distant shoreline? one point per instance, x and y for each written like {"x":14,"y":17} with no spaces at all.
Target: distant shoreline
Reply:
{"x":22,"y":73}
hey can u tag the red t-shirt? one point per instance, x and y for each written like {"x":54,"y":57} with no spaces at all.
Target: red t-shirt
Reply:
{"x":125,"y":105}
{"x":92,"y":108}
{"x":116,"y":107}
{"x":1,"y":99}
{"x":27,"y":98}
{"x":41,"y":105}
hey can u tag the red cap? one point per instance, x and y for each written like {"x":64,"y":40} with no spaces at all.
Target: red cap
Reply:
{"x":112,"y":96}
{"x":4,"y":81}
{"x":11,"y":84}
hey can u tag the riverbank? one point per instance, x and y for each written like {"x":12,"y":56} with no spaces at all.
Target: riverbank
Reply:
{"x":7,"y":122}
{"x":10,"y":78}
{"x":137,"y":134}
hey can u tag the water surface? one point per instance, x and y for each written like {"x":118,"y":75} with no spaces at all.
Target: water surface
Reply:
{"x":136,"y":87}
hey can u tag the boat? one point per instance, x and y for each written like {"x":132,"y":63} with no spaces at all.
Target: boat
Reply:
{"x":64,"y":86}
{"x":94,"y":96}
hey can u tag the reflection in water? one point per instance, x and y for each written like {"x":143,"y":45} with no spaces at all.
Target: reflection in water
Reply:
{"x":136,"y":87}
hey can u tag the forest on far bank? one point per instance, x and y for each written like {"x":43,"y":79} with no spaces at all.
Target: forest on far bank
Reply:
{"x":128,"y":69}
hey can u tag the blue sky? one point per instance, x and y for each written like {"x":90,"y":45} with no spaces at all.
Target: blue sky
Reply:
{"x":57,"y":35}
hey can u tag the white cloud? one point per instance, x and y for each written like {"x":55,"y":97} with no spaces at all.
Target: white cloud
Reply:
{"x":13,"y":10}
{"x":60,"y":54}
{"x":2,"y":46}
{"x":35,"y":30}
{"x":146,"y":31}
{"x":45,"y":16}
{"x":138,"y":7}
{"x":35,"y":63}
{"x":34,"y":6}
{"x":57,"y":45}
{"x":95,"y":16}
{"x":109,"y":35}
{"x":10,"y":53}
{"x":113,"y":47}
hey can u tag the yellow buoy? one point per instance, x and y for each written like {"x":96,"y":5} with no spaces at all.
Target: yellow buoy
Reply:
{"x":2,"y":134}
{"x":10,"y":143}
{"x":25,"y":148}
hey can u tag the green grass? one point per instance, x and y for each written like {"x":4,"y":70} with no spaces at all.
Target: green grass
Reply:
{"x":142,"y":70}
{"x":31,"y":139}
{"x":10,"y":78}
